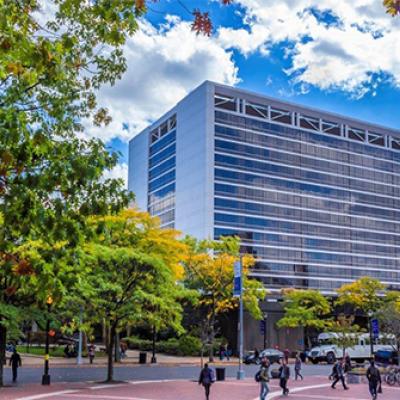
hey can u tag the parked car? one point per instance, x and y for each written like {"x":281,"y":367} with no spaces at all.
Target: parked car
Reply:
{"x":387,"y":357}
{"x":273,"y":356}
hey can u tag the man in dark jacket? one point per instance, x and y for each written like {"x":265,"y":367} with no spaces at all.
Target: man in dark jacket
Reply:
{"x":15,"y":362}
{"x":338,"y":374}
{"x":374,"y":379}
{"x":284,"y":374}
{"x":206,"y":379}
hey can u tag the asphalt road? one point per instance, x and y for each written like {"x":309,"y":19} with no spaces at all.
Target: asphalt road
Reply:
{"x":149,"y":372}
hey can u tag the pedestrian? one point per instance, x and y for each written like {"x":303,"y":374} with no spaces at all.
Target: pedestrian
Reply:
{"x":347,"y":363}
{"x":374,"y":379}
{"x":263,"y":377}
{"x":338,"y":374}
{"x":284,"y":374}
{"x":286,"y":354}
{"x":92,"y":352}
{"x":256,"y":353}
{"x":15,"y":362}
{"x":228,"y":351}
{"x":206,"y":379}
{"x":221,"y":352}
{"x":297,"y":368}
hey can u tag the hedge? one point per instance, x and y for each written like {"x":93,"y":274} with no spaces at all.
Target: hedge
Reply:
{"x":183,"y":346}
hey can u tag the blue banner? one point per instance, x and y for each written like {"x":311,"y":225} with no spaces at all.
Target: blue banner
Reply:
{"x":375,"y":328}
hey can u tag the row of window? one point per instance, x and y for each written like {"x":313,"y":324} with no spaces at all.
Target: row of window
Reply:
{"x":167,"y":218}
{"x":265,"y":210}
{"x":163,"y":142}
{"x":307,"y":270}
{"x":307,"y":149}
{"x":300,"y":174}
{"x":162,"y":205}
{"x":303,"y":136}
{"x":292,"y":199}
{"x":338,"y":168}
{"x":296,"y":118}
{"x":162,"y":180}
{"x":162,"y":155}
{"x":309,"y":229}
{"x":163,"y":167}
{"x":304,"y":188}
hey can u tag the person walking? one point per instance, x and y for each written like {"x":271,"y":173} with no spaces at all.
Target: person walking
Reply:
{"x":286,"y":354}
{"x":297,"y":368}
{"x":263,"y":377}
{"x":92,"y":352}
{"x":374,"y":379}
{"x":206,"y":379}
{"x":347,"y":363}
{"x":284,"y":374}
{"x":221,"y":352}
{"x":15,"y":362}
{"x":338,"y":374}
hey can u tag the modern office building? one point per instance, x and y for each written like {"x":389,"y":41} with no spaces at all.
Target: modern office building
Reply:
{"x":313,"y":195}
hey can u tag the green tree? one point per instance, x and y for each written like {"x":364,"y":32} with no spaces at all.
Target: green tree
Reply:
{"x":346,"y":332}
{"x":305,"y":308}
{"x":209,"y":270}
{"x":389,"y":318}
{"x":133,"y":269}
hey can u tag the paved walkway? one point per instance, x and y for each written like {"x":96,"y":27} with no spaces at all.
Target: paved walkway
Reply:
{"x":313,"y":388}
{"x":132,"y":358}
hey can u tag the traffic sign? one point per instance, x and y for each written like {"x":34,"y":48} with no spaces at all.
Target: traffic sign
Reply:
{"x":375,"y":328}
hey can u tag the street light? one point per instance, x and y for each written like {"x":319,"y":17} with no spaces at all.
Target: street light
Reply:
{"x":238,"y":291}
{"x":153,"y":357}
{"x":265,"y":329}
{"x":370,"y":314}
{"x":46,"y":376}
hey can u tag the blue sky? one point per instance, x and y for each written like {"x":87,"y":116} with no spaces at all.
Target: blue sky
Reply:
{"x":339,"y":56}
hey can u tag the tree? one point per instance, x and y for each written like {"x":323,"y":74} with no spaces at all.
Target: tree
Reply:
{"x":364,"y":294}
{"x":346,"y":332}
{"x":305,"y":308}
{"x":209,"y":271}
{"x":133,"y":269}
{"x":392,"y":7}
{"x":389,"y":318}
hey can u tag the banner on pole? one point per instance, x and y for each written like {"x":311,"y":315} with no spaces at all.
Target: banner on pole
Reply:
{"x":237,"y":279}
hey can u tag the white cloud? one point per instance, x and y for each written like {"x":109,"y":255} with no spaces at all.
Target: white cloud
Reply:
{"x":120,"y":171}
{"x":345,"y":55}
{"x":164,"y":64}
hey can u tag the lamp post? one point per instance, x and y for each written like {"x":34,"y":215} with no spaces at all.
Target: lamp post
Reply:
{"x":79,"y":358}
{"x":153,"y":357}
{"x":46,"y":376}
{"x":370,"y":314}
{"x":238,"y":292}
{"x":265,"y":330}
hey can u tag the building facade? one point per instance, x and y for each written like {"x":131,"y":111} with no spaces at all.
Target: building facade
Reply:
{"x":313,"y":195}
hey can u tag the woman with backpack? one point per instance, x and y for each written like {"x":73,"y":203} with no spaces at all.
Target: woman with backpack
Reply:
{"x":206,"y":379}
{"x":262,"y":377}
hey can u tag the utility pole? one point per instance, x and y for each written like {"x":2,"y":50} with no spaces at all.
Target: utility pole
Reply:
{"x":79,"y":358}
{"x":238,"y":292}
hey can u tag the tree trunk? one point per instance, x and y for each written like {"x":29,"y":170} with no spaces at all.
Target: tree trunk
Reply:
{"x":110,"y":364}
{"x":3,"y":342}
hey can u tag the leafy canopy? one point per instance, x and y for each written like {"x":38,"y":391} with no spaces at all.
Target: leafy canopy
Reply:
{"x":306,"y":308}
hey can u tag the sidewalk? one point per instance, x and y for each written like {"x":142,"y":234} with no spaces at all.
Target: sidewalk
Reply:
{"x":132,"y":358}
{"x":312,"y":388}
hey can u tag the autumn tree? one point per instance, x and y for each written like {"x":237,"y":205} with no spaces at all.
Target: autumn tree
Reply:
{"x":365,"y":295}
{"x":209,"y":270}
{"x":392,"y":7}
{"x":132,"y":273}
{"x":305,"y":308}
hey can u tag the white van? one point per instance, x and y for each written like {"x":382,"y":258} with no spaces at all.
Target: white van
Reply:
{"x":329,"y":352}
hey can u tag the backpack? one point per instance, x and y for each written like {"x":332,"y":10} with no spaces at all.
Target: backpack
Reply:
{"x":257,"y":377}
{"x":212,"y":376}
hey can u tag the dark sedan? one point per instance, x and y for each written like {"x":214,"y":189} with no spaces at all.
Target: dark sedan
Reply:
{"x":272,"y":355}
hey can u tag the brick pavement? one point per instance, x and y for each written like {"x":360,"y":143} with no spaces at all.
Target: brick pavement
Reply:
{"x":312,"y":388}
